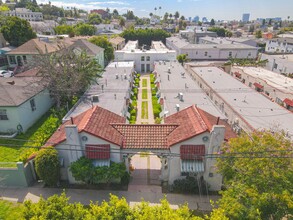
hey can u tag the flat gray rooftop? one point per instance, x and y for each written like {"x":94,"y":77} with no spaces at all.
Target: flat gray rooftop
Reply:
{"x":177,"y":83}
{"x":111,"y":91}
{"x":256,"y":109}
{"x":273,"y":79}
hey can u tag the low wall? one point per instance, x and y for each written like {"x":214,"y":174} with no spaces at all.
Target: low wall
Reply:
{"x":20,"y":176}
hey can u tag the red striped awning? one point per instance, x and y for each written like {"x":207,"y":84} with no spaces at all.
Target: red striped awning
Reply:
{"x":100,"y":151}
{"x":192,"y":152}
{"x":288,"y":102}
{"x":257,"y":85}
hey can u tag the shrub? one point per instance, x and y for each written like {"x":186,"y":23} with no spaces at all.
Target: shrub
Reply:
{"x":47,"y":166}
{"x":83,"y":170}
{"x":190,"y":185}
{"x":133,"y":112}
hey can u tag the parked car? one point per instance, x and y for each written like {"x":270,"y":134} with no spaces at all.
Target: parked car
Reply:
{"x":6,"y":73}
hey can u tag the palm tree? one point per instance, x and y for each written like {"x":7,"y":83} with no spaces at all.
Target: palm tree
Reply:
{"x":160,"y":11}
{"x":151,"y":14}
{"x":155,"y":10}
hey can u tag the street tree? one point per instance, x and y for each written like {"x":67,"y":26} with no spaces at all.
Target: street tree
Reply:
{"x":82,"y":29}
{"x":182,"y":58}
{"x":258,"y":34}
{"x":66,"y":73}
{"x":176,"y":15}
{"x":103,"y":42}
{"x":166,"y":15}
{"x":115,"y":13}
{"x":94,"y":18}
{"x":64,"y":29}
{"x":212,"y":22}
{"x":122,"y":22}
{"x":16,"y":31}
{"x":258,"y":176}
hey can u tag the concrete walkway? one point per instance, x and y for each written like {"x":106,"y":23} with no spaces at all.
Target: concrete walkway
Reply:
{"x":150,"y":119}
{"x":150,"y":194}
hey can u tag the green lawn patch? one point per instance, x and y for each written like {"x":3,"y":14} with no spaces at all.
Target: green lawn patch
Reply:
{"x":144,"y":83}
{"x":144,"y":93}
{"x":9,"y":210}
{"x":36,"y":136}
{"x":144,"y":110}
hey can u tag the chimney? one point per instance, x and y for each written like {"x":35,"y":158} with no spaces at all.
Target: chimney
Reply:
{"x":73,"y":142}
{"x":218,"y":119}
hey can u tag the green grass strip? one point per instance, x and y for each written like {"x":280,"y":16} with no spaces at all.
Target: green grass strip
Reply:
{"x":144,"y":83}
{"x":144,"y":93}
{"x":144,"y":110}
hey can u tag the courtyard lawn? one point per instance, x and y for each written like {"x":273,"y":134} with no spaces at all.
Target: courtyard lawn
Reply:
{"x":144,"y":93}
{"x":14,"y":150}
{"x":144,"y":110}
{"x":144,"y":83}
{"x":9,"y":210}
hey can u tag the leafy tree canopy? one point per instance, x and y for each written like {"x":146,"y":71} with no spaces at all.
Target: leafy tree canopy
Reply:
{"x":260,"y":182}
{"x":103,"y":42}
{"x":145,"y":36}
{"x":64,"y":29}
{"x":82,"y":29}
{"x":221,"y":32}
{"x":95,"y":18}
{"x":16,"y":31}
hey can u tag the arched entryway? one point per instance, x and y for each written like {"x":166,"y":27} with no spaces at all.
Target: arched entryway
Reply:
{"x":145,"y":169}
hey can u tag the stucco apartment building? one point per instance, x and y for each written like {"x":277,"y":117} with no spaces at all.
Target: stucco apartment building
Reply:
{"x":274,"y":86}
{"x":211,"y":51}
{"x":279,"y":45}
{"x":25,"y":14}
{"x":103,"y":136}
{"x":245,"y":108}
{"x":144,"y":59}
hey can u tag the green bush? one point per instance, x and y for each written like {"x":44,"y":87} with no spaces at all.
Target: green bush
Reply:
{"x":133,"y":112}
{"x":84,"y":170}
{"x":190,"y":185}
{"x":47,"y":166}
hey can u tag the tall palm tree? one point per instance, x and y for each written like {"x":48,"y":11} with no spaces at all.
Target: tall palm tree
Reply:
{"x":160,"y":11}
{"x":155,"y":10}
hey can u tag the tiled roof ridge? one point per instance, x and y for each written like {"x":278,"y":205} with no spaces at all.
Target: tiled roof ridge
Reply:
{"x":203,"y":123}
{"x":87,"y":117}
{"x":207,"y":122}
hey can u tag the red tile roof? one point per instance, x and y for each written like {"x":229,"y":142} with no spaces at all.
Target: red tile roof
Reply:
{"x":257,"y":85}
{"x":95,"y":121}
{"x":144,"y":136}
{"x":192,"y":152}
{"x":193,"y":121}
{"x":28,"y":73}
{"x":237,"y":74}
{"x":101,"y":151}
{"x":288,"y":102}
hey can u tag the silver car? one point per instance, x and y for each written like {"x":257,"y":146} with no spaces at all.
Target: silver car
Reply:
{"x":6,"y":73}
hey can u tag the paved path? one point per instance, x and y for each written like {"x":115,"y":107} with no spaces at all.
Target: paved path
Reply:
{"x":151,"y":194}
{"x":150,"y":119}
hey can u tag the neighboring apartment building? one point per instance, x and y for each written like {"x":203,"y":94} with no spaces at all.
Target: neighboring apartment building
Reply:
{"x":279,"y":63}
{"x":23,"y":101}
{"x":273,"y":85}
{"x":144,"y":59}
{"x":211,"y":51}
{"x":279,"y":45}
{"x":103,"y":136}
{"x":245,"y":108}
{"x":194,"y":34}
{"x":25,"y":14}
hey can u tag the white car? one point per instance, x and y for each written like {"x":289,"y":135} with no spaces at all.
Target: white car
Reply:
{"x":6,"y":73}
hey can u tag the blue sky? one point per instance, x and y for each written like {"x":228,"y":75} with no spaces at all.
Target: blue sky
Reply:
{"x":218,"y":9}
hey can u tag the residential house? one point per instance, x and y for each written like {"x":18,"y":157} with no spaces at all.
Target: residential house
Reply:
{"x":26,"y":52}
{"x":23,"y":101}
{"x":104,"y":14}
{"x":118,"y":42}
{"x":91,"y":49}
{"x":103,"y":136}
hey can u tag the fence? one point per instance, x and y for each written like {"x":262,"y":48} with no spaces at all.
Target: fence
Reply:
{"x":19,"y":176}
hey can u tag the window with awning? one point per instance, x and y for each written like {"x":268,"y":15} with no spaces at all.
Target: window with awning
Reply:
{"x":100,"y":154}
{"x":192,"y":158}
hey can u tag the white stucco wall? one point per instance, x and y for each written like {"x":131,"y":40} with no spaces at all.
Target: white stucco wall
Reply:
{"x":23,"y":113}
{"x":68,"y":152}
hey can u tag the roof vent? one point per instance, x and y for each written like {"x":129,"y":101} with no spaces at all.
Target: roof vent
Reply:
{"x":117,"y":76}
{"x":181,"y":96}
{"x":177,"y":106}
{"x":209,"y":70}
{"x":95,"y":98}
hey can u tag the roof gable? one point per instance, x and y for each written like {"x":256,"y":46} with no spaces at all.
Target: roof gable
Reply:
{"x":95,"y":121}
{"x":89,"y":47}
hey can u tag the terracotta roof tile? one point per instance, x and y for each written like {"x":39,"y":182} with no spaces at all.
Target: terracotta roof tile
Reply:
{"x":145,"y":136}
{"x":193,"y":121}
{"x":95,"y":121}
{"x":288,"y":102}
